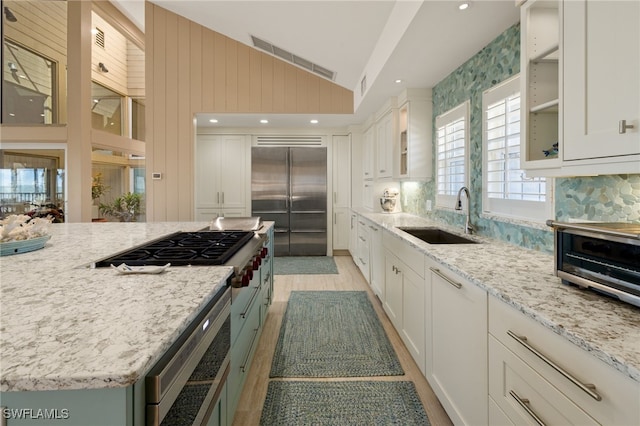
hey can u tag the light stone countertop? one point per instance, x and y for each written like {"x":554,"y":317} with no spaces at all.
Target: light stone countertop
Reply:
{"x":66,"y":326}
{"x":523,"y":278}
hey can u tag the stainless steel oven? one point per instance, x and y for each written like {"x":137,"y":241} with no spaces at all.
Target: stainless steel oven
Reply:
{"x":183,"y":387}
{"x":601,"y":256}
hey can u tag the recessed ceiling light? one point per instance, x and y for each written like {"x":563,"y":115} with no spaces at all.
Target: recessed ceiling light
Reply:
{"x":313,"y":121}
{"x":263,"y":121}
{"x":398,"y":81}
{"x":213,"y":120}
{"x":463,"y":6}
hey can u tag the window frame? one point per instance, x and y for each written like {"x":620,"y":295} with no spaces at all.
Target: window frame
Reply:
{"x":520,"y":210}
{"x":447,"y":201}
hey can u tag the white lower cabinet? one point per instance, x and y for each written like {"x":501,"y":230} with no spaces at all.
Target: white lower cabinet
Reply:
{"x":376,"y":261}
{"x":457,"y":364}
{"x":524,"y":396}
{"x":537,"y":374}
{"x":404,"y":294}
{"x":362,"y":250}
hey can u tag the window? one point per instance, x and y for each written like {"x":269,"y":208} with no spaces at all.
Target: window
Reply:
{"x":106,"y":109}
{"x":452,"y":154}
{"x":28,"y":87}
{"x":32,"y":182}
{"x":508,"y":192}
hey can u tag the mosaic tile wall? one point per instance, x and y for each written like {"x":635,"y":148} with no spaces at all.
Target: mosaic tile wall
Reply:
{"x":602,"y":198}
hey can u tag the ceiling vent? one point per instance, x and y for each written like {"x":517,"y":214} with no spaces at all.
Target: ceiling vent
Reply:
{"x":293,"y":59}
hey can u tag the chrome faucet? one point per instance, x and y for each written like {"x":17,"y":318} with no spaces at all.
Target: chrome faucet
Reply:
{"x":468,"y":228}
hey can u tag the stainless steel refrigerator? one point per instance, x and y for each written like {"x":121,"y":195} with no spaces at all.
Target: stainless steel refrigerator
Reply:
{"x":289,"y":186}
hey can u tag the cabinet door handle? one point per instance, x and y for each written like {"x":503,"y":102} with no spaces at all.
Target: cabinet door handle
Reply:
{"x":223,"y":197}
{"x":623,"y":126}
{"x":588,"y":388}
{"x":335,"y":197}
{"x":447,"y":279}
{"x":335,"y":218}
{"x":524,"y":403}
{"x":373,"y":228}
{"x":382,"y":171}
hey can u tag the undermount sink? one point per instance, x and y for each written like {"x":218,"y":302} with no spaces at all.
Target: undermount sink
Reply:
{"x":437,"y":236}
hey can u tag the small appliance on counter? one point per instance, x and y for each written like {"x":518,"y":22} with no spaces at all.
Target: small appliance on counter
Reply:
{"x":601,"y":256}
{"x":389,"y":199}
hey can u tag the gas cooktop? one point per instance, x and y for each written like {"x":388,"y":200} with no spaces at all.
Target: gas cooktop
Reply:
{"x":183,"y":248}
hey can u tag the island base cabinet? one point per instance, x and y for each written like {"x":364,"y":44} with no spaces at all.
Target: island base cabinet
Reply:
{"x":81,"y":407}
{"x":562,"y":378}
{"x":242,"y":351}
{"x":457,"y":364}
{"x":219,"y":414}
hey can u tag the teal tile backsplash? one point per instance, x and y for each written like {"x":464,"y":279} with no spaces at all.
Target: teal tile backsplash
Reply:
{"x":599,"y":198}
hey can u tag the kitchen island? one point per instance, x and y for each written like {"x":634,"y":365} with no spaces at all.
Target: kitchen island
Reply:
{"x":91,"y":334}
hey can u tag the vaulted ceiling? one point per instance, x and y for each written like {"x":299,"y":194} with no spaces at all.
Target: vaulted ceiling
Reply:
{"x":418,"y":42}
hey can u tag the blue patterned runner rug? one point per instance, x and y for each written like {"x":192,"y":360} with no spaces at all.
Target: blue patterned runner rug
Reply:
{"x":304,"y":265}
{"x":294,"y":403}
{"x":333,"y":334}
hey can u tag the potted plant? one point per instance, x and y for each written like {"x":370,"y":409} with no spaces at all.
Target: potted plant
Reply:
{"x":125,"y":208}
{"x":98,"y":189}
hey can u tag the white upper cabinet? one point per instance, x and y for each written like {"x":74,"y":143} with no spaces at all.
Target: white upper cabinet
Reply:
{"x":384,"y":146}
{"x":580,"y":81}
{"x":602,"y":83}
{"x":222,"y":174}
{"x":541,"y":68}
{"x":368,"y":145}
{"x":414,"y":147}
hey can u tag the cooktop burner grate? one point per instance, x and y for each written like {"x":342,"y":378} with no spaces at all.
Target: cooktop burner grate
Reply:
{"x":183,"y":248}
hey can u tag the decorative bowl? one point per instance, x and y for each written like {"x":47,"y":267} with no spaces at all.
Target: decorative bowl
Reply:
{"x":23,"y":246}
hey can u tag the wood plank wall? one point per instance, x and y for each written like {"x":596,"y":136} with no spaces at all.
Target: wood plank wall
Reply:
{"x":113,"y":56}
{"x":191,"y":69}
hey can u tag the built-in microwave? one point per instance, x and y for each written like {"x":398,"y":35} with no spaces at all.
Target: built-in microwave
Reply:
{"x":600,"y":256}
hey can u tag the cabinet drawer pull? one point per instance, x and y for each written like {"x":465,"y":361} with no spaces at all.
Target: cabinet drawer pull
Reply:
{"x":588,"y":388}
{"x":373,"y":228}
{"x":623,"y":126}
{"x":524,"y":403}
{"x":243,"y":367}
{"x":243,"y":315}
{"x":447,"y":279}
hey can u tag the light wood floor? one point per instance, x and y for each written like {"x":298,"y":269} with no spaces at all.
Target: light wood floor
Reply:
{"x":349,"y":278}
